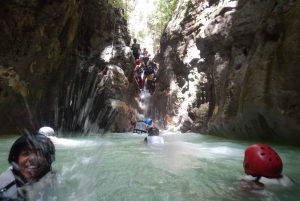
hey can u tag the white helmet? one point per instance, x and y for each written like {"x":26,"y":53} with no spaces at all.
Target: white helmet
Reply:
{"x":47,"y":131}
{"x":140,"y":117}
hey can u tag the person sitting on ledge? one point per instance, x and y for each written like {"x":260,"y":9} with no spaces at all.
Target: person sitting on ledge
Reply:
{"x":263,"y":167}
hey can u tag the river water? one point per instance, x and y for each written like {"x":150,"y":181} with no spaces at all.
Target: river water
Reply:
{"x":187,"y":167}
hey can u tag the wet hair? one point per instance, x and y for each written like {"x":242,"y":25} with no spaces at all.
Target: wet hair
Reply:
{"x":37,"y":141}
{"x":153,"y":131}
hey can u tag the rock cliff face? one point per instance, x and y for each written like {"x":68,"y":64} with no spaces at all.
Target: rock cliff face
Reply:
{"x":231,"y":68}
{"x":64,"y":64}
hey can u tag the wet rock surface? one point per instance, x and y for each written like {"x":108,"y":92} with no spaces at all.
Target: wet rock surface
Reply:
{"x":232,"y":68}
{"x":227,"y":68}
{"x":64,"y":64}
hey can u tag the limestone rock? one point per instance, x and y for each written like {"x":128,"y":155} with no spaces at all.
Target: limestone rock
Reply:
{"x":64,"y":64}
{"x":241,"y":59}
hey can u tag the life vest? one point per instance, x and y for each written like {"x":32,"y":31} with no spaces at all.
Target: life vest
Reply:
{"x":31,"y":190}
{"x":140,"y":70}
{"x":149,"y":68}
{"x":8,"y":186}
{"x":154,"y":140}
{"x":140,"y":127}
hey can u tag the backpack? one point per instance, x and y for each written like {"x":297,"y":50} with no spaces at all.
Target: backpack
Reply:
{"x":135,"y":48}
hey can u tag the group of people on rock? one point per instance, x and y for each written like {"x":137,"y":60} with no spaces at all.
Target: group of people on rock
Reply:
{"x":145,"y":69}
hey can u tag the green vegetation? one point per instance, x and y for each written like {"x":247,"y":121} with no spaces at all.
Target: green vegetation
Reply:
{"x":127,"y":5}
{"x":158,"y":19}
{"x":146,"y":18}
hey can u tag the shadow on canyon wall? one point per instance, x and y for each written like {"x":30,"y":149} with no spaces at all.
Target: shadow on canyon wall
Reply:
{"x":65,"y":64}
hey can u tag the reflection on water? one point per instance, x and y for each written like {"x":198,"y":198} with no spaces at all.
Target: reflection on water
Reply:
{"x":186,"y":167}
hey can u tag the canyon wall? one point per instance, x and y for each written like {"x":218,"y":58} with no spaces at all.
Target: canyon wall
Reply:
{"x":65,"y":64}
{"x":230,"y":68}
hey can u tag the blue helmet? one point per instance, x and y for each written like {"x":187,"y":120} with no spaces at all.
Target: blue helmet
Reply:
{"x":148,"y":121}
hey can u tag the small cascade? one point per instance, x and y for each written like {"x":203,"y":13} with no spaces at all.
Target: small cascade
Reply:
{"x":145,"y":101}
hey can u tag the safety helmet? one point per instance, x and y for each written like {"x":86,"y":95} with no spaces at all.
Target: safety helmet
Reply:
{"x":148,"y":121}
{"x":140,"y":117}
{"x":153,"y":131}
{"x":137,"y":62}
{"x":262,"y":160}
{"x":38,"y":141}
{"x":47,"y":131}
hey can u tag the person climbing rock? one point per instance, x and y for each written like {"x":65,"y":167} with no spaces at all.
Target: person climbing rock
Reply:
{"x":150,"y":75}
{"x":136,"y":50}
{"x":263,"y":166}
{"x":138,"y":71}
{"x":153,"y":137}
{"x":151,"y":82}
{"x":30,"y":157}
{"x":143,"y":54}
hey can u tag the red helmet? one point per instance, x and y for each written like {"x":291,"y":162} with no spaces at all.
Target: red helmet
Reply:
{"x":137,"y":62}
{"x":262,"y":160}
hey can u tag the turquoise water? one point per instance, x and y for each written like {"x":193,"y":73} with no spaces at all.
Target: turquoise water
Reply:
{"x":187,"y":167}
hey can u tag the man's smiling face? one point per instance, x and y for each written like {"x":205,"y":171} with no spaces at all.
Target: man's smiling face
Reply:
{"x":31,"y":162}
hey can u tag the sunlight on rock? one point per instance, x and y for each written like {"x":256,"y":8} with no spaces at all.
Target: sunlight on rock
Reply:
{"x":107,"y":54}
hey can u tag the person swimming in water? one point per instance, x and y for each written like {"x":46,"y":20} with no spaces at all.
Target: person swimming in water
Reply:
{"x":48,"y":132}
{"x":153,"y":137}
{"x":30,"y":157}
{"x":138,"y":123}
{"x":263,"y":167}
{"x":149,"y":123}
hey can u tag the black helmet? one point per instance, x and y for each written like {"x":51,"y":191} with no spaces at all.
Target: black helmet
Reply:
{"x":33,"y":140}
{"x":153,"y":131}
